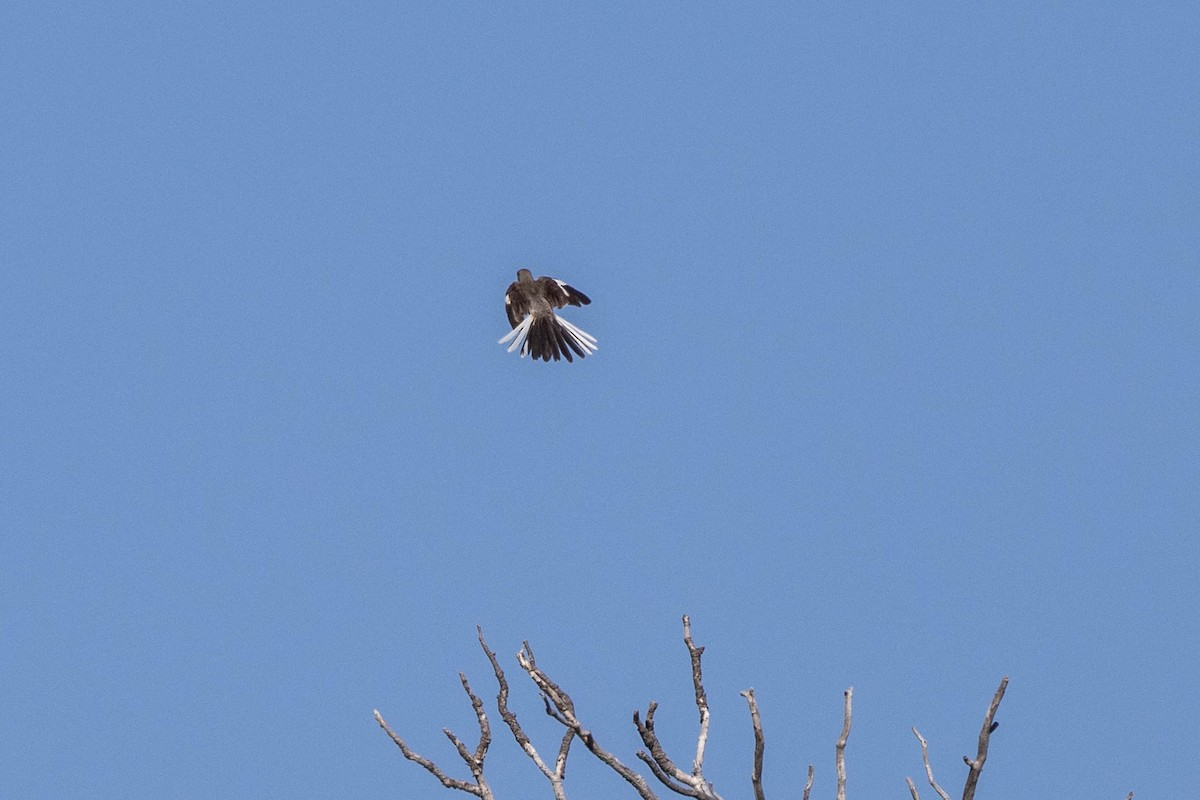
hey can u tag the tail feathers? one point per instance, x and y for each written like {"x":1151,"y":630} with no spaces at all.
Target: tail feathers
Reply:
{"x":518,"y":335}
{"x":548,"y":337}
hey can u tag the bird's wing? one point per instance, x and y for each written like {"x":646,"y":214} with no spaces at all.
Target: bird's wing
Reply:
{"x":560,"y":294}
{"x":516,"y":305}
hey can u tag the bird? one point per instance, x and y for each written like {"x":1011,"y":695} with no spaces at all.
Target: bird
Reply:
{"x":536,"y":329}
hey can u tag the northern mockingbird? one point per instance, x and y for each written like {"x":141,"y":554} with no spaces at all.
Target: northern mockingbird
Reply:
{"x":536,"y":329}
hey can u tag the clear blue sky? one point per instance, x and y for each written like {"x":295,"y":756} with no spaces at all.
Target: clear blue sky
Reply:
{"x":897,"y":388}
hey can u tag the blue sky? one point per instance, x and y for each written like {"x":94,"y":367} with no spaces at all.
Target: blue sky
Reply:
{"x":897,"y":388}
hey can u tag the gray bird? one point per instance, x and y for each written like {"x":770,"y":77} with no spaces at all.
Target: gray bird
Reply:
{"x":536,"y":329}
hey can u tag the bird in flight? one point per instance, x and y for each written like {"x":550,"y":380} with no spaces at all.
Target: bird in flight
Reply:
{"x":536,"y":329}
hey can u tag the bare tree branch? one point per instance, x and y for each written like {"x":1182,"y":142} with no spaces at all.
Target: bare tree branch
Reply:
{"x":560,"y":706}
{"x":841,"y":745}
{"x":463,"y":753}
{"x":759,"y":745}
{"x":664,"y":778}
{"x":663,"y":767}
{"x":928,"y":769}
{"x":480,"y":790}
{"x":701,"y":698}
{"x":560,"y":765}
{"x":989,"y":725}
{"x":485,"y":730}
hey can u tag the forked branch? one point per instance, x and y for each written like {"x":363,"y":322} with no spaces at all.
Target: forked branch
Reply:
{"x":692,"y":784}
{"x":659,"y":762}
{"x":976,"y":764}
{"x":474,"y":761}
{"x":556,"y":775}
{"x":928,"y":769}
{"x":560,"y":706}
{"x":678,"y":779}
{"x":985,"y":734}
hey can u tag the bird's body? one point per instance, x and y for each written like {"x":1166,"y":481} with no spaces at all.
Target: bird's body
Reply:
{"x":536,"y":329}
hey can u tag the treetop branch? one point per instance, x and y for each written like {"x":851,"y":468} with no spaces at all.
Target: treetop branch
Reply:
{"x":985,"y":734}
{"x":676,"y":776}
{"x":759,"y":745}
{"x":510,"y":719}
{"x":841,"y":744}
{"x":479,"y":789}
{"x":928,"y":769}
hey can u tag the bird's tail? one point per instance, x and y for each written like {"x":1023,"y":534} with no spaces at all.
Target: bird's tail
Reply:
{"x":549,"y":336}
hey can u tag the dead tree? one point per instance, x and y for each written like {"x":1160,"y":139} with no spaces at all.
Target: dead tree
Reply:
{"x":679,"y":780}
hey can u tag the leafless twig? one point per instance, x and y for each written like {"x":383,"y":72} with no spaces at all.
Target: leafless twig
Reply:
{"x":560,"y":706}
{"x":659,"y":762}
{"x":989,"y":725}
{"x":560,"y":764}
{"x":759,"y":745}
{"x":841,"y":745}
{"x":701,"y":698}
{"x":928,"y":769}
{"x":474,"y":761}
{"x":671,"y":776}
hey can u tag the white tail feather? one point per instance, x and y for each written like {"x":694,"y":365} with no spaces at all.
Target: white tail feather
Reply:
{"x":524,"y":325}
{"x":518,"y":335}
{"x":583,"y":338}
{"x":576,"y":331}
{"x":521,"y":341}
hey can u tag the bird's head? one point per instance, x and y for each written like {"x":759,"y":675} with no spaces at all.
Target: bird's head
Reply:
{"x":524,"y":276}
